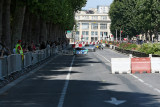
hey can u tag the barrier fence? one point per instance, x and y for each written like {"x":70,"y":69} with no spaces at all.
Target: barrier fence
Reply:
{"x":135,"y":65}
{"x":14,"y":63}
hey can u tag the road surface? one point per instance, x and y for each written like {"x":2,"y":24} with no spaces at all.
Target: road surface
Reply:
{"x":84,"y":81}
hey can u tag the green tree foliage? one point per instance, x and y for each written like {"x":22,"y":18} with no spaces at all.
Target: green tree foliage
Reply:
{"x":51,"y":18}
{"x":57,"y":11}
{"x":135,"y":16}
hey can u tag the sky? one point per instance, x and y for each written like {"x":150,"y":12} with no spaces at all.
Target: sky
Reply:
{"x":94,"y":3}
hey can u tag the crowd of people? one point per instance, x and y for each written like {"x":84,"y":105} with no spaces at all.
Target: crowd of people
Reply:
{"x":23,"y":47}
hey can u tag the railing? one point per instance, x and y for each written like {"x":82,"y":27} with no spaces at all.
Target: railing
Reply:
{"x":14,"y":63}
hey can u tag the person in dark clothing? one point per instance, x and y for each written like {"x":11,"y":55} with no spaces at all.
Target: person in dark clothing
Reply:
{"x":29,"y":47}
{"x":4,"y":51}
{"x":42,"y":46}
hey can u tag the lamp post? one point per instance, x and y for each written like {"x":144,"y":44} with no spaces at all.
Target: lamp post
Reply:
{"x":116,"y":35}
{"x":120,"y":34}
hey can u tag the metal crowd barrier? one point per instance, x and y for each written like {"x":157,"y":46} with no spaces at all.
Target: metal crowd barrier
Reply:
{"x":3,"y":67}
{"x":34,"y":58}
{"x":27,"y":59}
{"x":14,"y":63}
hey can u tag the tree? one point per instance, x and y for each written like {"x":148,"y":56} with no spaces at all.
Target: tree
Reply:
{"x":36,"y":19}
{"x":1,"y":12}
{"x":6,"y":37}
{"x":135,"y":16}
{"x":18,"y":19}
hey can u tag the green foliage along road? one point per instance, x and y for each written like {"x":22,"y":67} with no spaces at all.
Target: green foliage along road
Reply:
{"x":135,"y":17}
{"x":37,"y":20}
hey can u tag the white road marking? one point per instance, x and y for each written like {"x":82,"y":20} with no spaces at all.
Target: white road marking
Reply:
{"x":149,"y":85}
{"x":115,"y":101}
{"x":104,"y":57}
{"x":61,"y":101}
{"x":157,"y":90}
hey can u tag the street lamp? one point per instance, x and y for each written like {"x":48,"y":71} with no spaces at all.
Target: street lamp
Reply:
{"x":120,"y":34}
{"x":116,"y":35}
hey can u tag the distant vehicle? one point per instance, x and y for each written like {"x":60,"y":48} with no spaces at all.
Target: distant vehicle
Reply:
{"x":103,"y":44}
{"x":91,"y":48}
{"x":80,"y":51}
{"x":100,"y":46}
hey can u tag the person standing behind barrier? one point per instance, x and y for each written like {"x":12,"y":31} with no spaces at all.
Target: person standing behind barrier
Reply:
{"x":4,"y":51}
{"x":42,"y":46}
{"x":25,"y":49}
{"x":33,"y":46}
{"x":19,"y":49}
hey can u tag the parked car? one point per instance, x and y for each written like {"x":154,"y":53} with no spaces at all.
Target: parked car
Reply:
{"x":91,"y":48}
{"x":80,"y":51}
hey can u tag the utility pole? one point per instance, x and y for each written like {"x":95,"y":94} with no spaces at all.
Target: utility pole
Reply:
{"x":116,"y":35}
{"x":120,"y":34}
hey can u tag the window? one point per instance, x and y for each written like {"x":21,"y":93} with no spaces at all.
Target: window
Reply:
{"x":104,"y":34}
{"x":86,"y":38}
{"x":77,"y":17}
{"x":84,"y":33}
{"x":78,"y":25}
{"x":96,"y":38}
{"x":77,"y":33}
{"x":103,"y":17}
{"x":94,"y":17}
{"x":85,"y":17}
{"x":94,"y":33}
{"x":92,"y":39}
{"x":87,"y":33}
{"x":103,"y":26}
{"x":85,"y":26}
{"x":94,"y":26}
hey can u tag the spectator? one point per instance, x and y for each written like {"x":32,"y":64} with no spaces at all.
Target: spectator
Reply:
{"x":48,"y":45}
{"x":42,"y":46}
{"x":19,"y":49}
{"x":25,"y":48}
{"x":33,"y":46}
{"x":4,"y":51}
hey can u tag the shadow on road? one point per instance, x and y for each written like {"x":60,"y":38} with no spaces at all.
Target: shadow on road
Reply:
{"x":44,"y":88}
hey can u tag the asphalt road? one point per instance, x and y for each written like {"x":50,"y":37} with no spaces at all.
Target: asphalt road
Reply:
{"x":84,"y":81}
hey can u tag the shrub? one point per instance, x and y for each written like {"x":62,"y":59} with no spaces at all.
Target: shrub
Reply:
{"x":150,"y":48}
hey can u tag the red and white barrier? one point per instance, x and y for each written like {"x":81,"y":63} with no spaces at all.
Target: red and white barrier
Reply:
{"x":141,"y":65}
{"x":80,"y":45}
{"x":135,"y":65}
{"x":120,"y":65}
{"x":155,"y":65}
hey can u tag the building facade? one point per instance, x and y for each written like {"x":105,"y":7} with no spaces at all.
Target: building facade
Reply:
{"x":93,"y":25}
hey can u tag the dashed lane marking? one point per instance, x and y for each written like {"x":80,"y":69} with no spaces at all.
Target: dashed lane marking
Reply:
{"x":104,"y":57}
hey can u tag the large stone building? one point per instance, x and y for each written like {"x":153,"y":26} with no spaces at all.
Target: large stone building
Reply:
{"x":93,"y":24}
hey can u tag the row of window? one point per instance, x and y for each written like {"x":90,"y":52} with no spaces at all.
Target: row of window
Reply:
{"x":93,"y":26}
{"x":92,"y":17}
{"x":93,"y":39}
{"x":93,"y":33}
